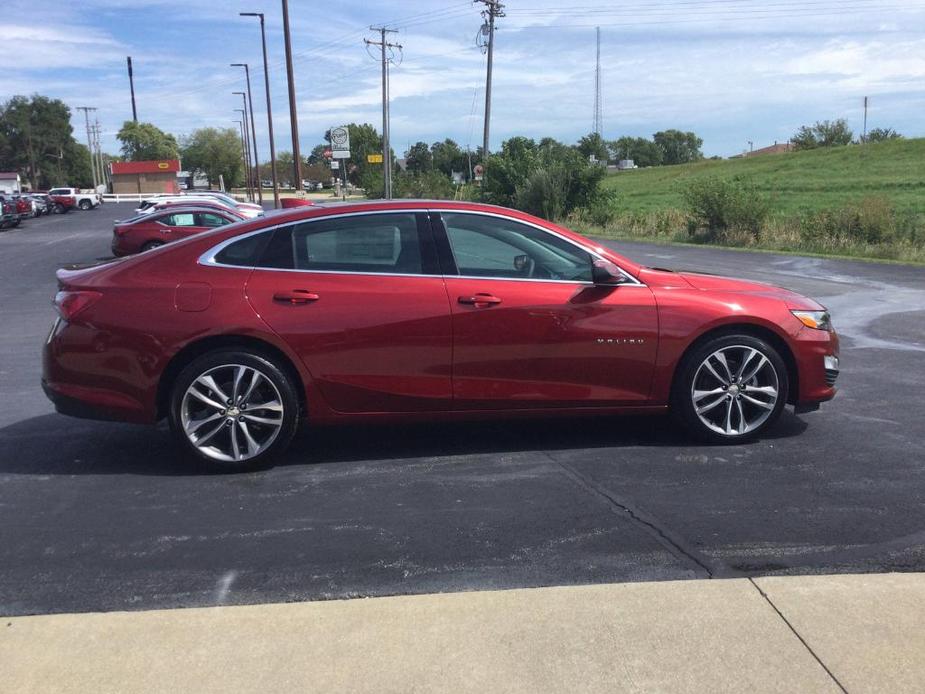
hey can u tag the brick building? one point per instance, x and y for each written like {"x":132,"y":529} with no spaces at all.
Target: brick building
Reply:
{"x":132,"y":177}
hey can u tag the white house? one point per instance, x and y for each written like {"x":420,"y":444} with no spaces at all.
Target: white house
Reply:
{"x":10,"y":183}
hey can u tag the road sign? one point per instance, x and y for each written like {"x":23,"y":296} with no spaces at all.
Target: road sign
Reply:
{"x":340,"y":142}
{"x":335,"y":165}
{"x":327,"y":154}
{"x":478,"y":169}
{"x":374,"y":158}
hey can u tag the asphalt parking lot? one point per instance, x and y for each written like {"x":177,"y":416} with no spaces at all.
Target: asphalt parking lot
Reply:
{"x":100,"y":516}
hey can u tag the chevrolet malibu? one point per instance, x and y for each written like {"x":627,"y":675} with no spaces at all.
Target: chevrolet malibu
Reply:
{"x":172,"y":223}
{"x":411,"y":310}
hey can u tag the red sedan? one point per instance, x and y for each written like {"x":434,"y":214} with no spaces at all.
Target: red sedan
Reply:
{"x":409,"y":310}
{"x":148,"y":231}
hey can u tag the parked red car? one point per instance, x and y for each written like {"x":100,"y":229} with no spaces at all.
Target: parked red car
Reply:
{"x":409,"y":310}
{"x":61,"y":204}
{"x":148,"y":231}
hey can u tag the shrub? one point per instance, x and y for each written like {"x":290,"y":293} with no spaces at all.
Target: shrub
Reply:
{"x":872,"y":220}
{"x":718,"y":206}
{"x":432,"y":185}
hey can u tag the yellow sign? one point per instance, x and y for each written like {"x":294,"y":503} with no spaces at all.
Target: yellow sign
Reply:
{"x":374,"y":158}
{"x":163,"y":165}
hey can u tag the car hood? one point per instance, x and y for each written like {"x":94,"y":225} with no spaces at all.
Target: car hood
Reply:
{"x":734,"y":285}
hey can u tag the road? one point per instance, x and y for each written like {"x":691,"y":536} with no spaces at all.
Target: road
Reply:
{"x":102,"y":516}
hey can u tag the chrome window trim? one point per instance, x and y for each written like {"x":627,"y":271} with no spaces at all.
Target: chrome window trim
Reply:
{"x":208,"y":258}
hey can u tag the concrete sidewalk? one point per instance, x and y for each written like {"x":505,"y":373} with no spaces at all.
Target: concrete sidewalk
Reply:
{"x":802,"y":634}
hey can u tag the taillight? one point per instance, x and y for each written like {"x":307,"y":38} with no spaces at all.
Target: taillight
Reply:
{"x":120,"y":230}
{"x":69,"y":303}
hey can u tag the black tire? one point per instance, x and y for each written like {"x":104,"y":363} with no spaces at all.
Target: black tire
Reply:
{"x":736,"y":398}
{"x":59,"y":208}
{"x":151,"y":245}
{"x":215,"y":363}
{"x":16,"y":222}
{"x":85,"y":204}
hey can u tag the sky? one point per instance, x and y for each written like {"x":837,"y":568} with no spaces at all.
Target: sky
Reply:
{"x":732,"y":71}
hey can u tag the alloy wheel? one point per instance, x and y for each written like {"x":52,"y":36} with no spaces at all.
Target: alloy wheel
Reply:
{"x":232,"y":413}
{"x":735,"y":390}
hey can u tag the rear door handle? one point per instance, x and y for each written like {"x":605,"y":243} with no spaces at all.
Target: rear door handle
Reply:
{"x":480,"y":300}
{"x":296,"y":296}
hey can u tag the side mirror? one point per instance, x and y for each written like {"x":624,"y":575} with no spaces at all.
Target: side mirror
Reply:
{"x":605,"y":272}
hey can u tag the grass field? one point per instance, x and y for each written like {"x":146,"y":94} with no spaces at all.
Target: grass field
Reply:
{"x":795,"y":182}
{"x":861,"y":201}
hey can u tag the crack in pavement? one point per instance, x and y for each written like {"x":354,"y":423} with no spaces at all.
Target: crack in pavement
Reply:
{"x":675,"y":544}
{"x":797,"y":634}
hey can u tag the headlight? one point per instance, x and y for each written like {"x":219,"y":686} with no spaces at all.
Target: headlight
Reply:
{"x":819,"y":320}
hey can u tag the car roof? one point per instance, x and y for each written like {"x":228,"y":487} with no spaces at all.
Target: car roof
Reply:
{"x":174,"y":209}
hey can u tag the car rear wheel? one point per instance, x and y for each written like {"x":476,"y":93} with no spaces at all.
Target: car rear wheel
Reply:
{"x":730,"y":389}
{"x":233,"y":410}
{"x":85,"y":204}
{"x":59,"y":208}
{"x":150,"y":245}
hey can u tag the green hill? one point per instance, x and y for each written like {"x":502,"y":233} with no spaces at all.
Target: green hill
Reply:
{"x":795,"y":182}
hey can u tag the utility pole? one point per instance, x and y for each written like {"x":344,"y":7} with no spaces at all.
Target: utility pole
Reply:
{"x":386,"y":147}
{"x":247,"y":153}
{"x":598,"y":125}
{"x":864,"y":136}
{"x":101,"y":166}
{"x":86,"y":110}
{"x":131,"y":85}
{"x":250,"y":100}
{"x":266,"y":82}
{"x":293,"y":116}
{"x":493,"y":8}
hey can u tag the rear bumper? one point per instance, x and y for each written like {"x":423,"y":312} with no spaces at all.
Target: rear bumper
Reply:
{"x":76,"y":379}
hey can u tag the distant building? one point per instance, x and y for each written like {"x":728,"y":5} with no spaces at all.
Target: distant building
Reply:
{"x":624,"y":164}
{"x":776,"y":148}
{"x":133,"y":177}
{"x":10,"y":182}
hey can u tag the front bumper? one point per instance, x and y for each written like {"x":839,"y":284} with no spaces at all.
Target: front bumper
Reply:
{"x":817,"y":355}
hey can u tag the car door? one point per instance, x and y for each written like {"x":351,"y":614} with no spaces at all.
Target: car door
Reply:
{"x":180,"y":225}
{"x":361,"y":300}
{"x":530,"y":328}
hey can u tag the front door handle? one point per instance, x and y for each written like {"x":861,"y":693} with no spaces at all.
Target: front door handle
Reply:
{"x":481,"y":300}
{"x":296,"y":296}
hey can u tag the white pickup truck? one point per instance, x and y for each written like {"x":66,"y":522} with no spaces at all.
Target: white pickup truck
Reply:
{"x":85,"y":201}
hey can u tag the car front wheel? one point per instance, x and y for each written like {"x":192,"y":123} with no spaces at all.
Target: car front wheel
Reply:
{"x":233,"y":410}
{"x":730,"y":389}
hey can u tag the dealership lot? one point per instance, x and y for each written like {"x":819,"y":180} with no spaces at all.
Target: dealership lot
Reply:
{"x":97,"y":516}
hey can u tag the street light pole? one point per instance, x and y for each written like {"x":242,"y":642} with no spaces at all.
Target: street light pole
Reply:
{"x":250,"y":171}
{"x":250,"y":100}
{"x":293,"y":115}
{"x":243,"y":151}
{"x":266,"y":81}
{"x":247,"y":155}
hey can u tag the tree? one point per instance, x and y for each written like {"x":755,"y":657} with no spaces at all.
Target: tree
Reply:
{"x":547,"y":178}
{"x":36,"y":138}
{"x":678,"y":147}
{"x":215,"y":154}
{"x":641,"y":151}
{"x":418,"y":159}
{"x":882,"y":135}
{"x":144,"y":141}
{"x":823,"y":134}
{"x":364,"y":140}
{"x":594,"y":145}
{"x":449,"y":157}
